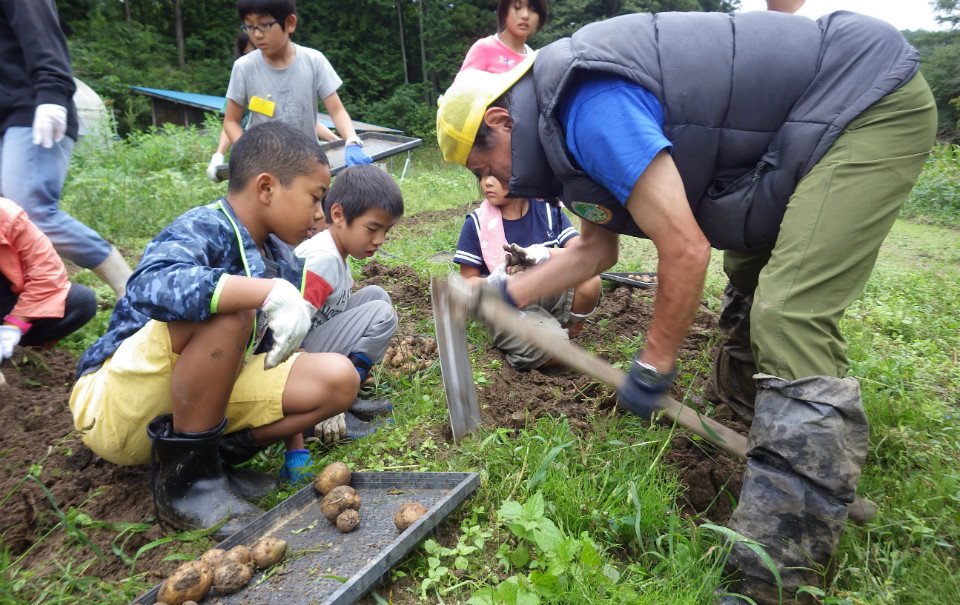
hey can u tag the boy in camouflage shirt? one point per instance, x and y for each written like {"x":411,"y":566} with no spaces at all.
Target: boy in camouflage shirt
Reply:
{"x":203,"y":341}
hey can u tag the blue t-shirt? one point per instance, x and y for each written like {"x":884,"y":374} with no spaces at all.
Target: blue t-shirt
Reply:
{"x":542,"y":224}
{"x":614,"y":128}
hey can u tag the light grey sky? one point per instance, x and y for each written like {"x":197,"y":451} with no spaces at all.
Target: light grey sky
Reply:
{"x":903,"y":14}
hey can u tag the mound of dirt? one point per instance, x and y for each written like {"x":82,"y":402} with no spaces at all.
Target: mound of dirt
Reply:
{"x":38,"y":431}
{"x":38,"y":440}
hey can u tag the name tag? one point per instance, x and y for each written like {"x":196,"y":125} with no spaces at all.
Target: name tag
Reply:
{"x":262,"y":106}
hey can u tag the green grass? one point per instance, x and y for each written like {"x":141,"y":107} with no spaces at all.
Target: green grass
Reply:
{"x":560,"y":519}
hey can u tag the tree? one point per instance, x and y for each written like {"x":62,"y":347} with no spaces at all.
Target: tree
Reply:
{"x":948,"y":11}
{"x":178,"y":31}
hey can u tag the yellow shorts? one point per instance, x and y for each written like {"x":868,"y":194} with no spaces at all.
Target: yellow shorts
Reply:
{"x":112,"y":406}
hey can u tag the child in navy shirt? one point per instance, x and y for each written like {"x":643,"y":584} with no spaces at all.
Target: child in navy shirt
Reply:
{"x":541,"y":230}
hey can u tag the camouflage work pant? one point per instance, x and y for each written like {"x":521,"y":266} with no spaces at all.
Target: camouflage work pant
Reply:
{"x":808,"y":439}
{"x":806,"y":449}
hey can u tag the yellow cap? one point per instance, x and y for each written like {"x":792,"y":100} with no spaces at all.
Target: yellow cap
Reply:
{"x":461,"y":109}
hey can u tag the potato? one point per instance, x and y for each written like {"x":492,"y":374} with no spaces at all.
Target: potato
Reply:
{"x":409,"y":512}
{"x":338,"y":500}
{"x":268,"y":551}
{"x":333,"y":475}
{"x":213,"y":557}
{"x":348,"y":520}
{"x":239,"y":553}
{"x":230,"y":577}
{"x":190,"y":582}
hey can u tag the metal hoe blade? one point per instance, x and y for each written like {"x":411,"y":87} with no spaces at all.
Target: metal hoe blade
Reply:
{"x":450,"y":322}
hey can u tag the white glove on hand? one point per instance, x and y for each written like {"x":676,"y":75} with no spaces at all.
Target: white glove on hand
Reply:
{"x":520,"y":257}
{"x":289,"y":317}
{"x":332,"y":430}
{"x":215,"y":161}
{"x":499,"y":275}
{"x":9,"y":338}
{"x":49,"y":124}
{"x":537,"y":253}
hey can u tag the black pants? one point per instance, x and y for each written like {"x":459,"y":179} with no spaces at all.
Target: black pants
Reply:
{"x":80,"y":307}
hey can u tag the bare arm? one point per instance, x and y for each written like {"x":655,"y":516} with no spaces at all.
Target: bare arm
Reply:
{"x":658,"y":204}
{"x":224,"y":144}
{"x":325,"y":134}
{"x":339,"y":115}
{"x":231,"y":120}
{"x":240,"y":293}
{"x":471,"y":274}
{"x":784,"y":6}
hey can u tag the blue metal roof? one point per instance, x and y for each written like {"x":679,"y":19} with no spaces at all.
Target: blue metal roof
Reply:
{"x":219,"y":104}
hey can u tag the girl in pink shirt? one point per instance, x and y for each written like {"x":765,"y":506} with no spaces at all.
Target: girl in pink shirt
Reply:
{"x":516,"y":21}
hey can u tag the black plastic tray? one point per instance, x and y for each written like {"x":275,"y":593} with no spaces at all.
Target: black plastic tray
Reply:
{"x":324,"y":565}
{"x":377,"y":145}
{"x":622,"y":278}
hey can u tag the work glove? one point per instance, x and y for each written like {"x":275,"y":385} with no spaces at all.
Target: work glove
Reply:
{"x":9,"y":338}
{"x":643,"y":388}
{"x":497,"y":289}
{"x":354,"y":154}
{"x":215,"y":161}
{"x":498,"y":275}
{"x":49,"y":124}
{"x":332,"y":430}
{"x":518,"y":256}
{"x":289,"y":316}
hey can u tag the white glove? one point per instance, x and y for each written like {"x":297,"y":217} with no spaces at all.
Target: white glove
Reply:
{"x":289,"y":317}
{"x":537,"y":253}
{"x":332,"y":430}
{"x":498,"y":275}
{"x":49,"y":124}
{"x":215,"y":161}
{"x":9,"y":338}
{"x":518,"y":256}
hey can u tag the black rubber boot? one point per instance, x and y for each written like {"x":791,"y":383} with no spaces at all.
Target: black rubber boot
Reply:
{"x":190,"y":489}
{"x":236,"y":448}
{"x":805,"y":451}
{"x":368,"y":409}
{"x":731,"y":381}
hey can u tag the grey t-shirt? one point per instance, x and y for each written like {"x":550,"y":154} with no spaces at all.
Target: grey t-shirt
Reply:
{"x":293,"y":90}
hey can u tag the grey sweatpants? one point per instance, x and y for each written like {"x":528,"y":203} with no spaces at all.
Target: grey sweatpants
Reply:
{"x":365,"y":326}
{"x":552,"y":313}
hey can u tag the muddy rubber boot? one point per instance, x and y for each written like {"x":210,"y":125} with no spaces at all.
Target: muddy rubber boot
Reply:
{"x":357,"y":428}
{"x":368,"y":409}
{"x":805,"y":451}
{"x":236,"y":448}
{"x":731,"y":381}
{"x":190,"y":489}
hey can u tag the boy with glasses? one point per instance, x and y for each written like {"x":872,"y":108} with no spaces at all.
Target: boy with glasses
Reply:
{"x":282,"y":80}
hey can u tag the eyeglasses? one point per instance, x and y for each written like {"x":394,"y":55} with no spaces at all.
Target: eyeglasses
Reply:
{"x":262,"y":28}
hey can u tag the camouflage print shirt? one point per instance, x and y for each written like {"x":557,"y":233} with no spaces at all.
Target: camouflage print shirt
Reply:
{"x":180,"y":275}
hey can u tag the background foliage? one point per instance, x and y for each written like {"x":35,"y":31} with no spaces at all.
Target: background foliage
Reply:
{"x":384,"y":81}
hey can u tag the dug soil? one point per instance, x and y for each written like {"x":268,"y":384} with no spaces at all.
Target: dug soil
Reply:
{"x":50,"y":477}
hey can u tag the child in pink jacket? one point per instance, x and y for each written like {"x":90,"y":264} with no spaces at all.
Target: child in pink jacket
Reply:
{"x":38,"y":304}
{"x":517,"y":20}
